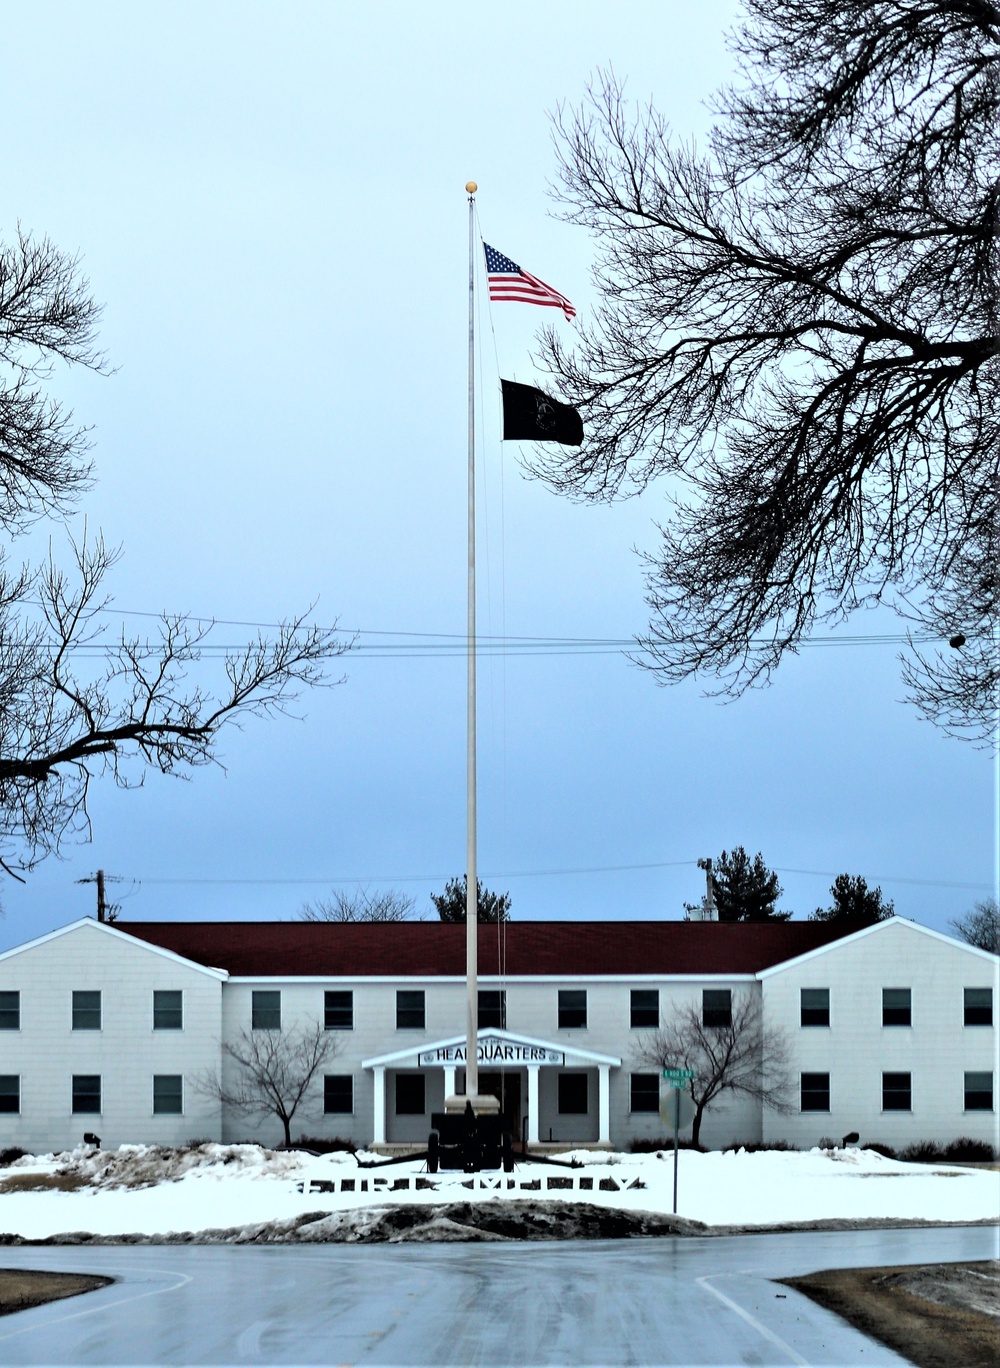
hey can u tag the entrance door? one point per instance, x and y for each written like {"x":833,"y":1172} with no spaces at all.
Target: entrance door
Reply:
{"x":506,"y":1088}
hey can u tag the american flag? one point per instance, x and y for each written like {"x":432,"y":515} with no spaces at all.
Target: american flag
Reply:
{"x":507,"y":280}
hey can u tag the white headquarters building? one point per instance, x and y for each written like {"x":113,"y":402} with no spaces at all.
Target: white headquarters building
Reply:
{"x":108,"y":1029}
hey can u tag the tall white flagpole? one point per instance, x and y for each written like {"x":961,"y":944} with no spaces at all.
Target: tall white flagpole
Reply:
{"x":471,"y":898}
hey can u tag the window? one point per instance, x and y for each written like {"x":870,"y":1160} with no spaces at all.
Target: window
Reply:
{"x":717,"y":1007}
{"x":573,"y":1094}
{"x":978,"y":1006}
{"x":493,"y":1008}
{"x":410,"y":1010}
{"x":815,"y":1007}
{"x":87,"y":1094}
{"x":338,"y":1010}
{"x":815,"y":1092}
{"x":338,"y":1095}
{"x":645,"y":1007}
{"x":10,"y":1011}
{"x":168,"y":1009}
{"x":10,"y":1094}
{"x":168,"y":1095}
{"x":644,"y":1093}
{"x":979,"y":1092}
{"x":896,"y":1007}
{"x":410,"y":1094}
{"x":896,"y":1092}
{"x":86,"y":1011}
{"x":572,"y":1008}
{"x":265,"y":1010}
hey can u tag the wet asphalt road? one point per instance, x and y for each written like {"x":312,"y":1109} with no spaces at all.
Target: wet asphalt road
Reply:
{"x":663,"y":1301}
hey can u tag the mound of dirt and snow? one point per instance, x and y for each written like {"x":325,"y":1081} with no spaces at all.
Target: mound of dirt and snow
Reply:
{"x":242,"y":1193}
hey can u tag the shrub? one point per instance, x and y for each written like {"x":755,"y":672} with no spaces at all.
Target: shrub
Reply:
{"x":886,"y":1151}
{"x":965,"y":1150}
{"x":327,"y":1144}
{"x":761,"y":1146}
{"x":922,"y":1152}
{"x":663,"y":1142}
{"x":9,"y":1155}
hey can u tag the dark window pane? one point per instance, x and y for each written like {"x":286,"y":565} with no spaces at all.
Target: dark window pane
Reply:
{"x":10,"y":1093}
{"x":815,"y":1007}
{"x":717,"y":1007}
{"x":493,"y":1008}
{"x":816,"y":1092}
{"x":896,"y":1092}
{"x":265,"y":1011}
{"x":410,"y":1095}
{"x":168,"y":1009}
{"x":978,"y":1006}
{"x":10,"y":1011}
{"x":338,"y":1094}
{"x":338,"y":1010}
{"x":573,"y":1094}
{"x":979,"y":1092}
{"x":572,"y":1008}
{"x":895,"y":1007}
{"x":87,"y":1011}
{"x":86,"y":1093}
{"x":645,"y":1093}
{"x":410,"y":1009}
{"x":168,"y":1095}
{"x":645,"y":1007}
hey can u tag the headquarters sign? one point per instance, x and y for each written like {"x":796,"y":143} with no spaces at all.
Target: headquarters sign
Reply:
{"x":493,"y":1049}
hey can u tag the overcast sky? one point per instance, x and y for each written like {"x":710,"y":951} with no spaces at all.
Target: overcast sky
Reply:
{"x":268,"y":199}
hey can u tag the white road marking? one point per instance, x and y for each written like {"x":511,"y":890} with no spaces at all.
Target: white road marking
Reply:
{"x":742,"y":1312}
{"x":182,"y":1280}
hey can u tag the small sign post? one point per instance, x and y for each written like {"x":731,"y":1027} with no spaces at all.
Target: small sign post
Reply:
{"x":677,"y":1109}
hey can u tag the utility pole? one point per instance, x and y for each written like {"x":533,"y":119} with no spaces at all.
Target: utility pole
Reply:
{"x":106,"y":912}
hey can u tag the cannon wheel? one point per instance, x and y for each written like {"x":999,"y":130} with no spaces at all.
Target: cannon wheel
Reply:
{"x":433,"y":1152}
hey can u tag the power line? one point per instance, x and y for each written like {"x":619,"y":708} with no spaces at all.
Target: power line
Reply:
{"x":541,"y":873}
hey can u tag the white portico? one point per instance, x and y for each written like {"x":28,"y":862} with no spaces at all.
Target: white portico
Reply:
{"x":503,"y":1052}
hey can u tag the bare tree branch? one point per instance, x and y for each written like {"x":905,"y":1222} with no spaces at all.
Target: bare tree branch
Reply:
{"x":141,"y":709}
{"x":799,"y":332}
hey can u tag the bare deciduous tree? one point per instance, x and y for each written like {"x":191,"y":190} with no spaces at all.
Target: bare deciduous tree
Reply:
{"x":47,"y":315}
{"x":388,"y":905}
{"x":981,"y":926}
{"x":139,"y":707}
{"x":800,"y":332}
{"x":744,"y":1057}
{"x":274,"y":1072}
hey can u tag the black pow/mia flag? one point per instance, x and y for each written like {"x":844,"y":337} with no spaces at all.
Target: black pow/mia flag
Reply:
{"x":530,"y":415}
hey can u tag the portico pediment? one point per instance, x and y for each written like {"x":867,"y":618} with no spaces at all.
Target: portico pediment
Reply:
{"x":494,"y":1048}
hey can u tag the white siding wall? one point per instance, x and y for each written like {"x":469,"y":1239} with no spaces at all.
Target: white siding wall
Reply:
{"x":856,"y":1049}
{"x":126,"y":1052}
{"x":532,"y":1010}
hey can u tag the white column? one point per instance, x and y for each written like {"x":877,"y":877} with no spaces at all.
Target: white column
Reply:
{"x":449,"y":1080}
{"x":379,"y":1117}
{"x":604,"y":1104}
{"x":533,"y":1105}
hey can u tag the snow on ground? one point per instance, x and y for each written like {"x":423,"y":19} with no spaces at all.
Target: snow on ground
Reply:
{"x":151,"y":1190}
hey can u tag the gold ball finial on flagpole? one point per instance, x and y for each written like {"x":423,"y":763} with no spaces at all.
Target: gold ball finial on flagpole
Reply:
{"x":471,"y":186}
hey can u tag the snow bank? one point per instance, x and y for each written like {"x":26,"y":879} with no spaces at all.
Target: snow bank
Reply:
{"x":151,"y":1190}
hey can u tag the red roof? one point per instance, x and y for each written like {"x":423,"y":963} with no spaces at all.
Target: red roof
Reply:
{"x":578,"y":949}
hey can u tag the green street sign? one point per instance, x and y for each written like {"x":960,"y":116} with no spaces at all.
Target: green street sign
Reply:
{"x":678,"y":1075}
